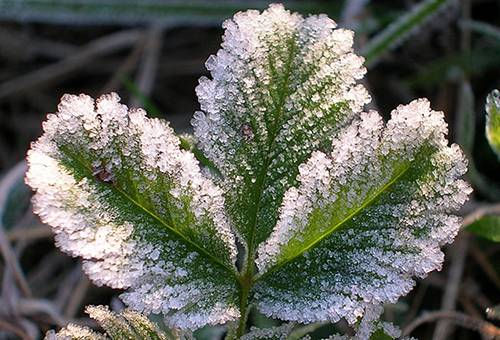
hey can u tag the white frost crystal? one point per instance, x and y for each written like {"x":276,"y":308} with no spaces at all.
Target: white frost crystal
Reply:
{"x":365,"y":219}
{"x":149,"y":224}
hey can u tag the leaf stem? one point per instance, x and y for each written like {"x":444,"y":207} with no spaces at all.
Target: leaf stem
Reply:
{"x":246,"y":283}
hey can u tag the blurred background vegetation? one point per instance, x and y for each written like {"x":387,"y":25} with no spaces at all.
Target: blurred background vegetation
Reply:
{"x":152,"y":53}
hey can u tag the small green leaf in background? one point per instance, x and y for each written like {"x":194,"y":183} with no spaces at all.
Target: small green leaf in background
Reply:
{"x":487,"y":227}
{"x":493,"y":120}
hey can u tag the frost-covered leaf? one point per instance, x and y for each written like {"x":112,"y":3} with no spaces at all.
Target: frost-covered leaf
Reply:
{"x":120,"y":193}
{"x":493,"y":121}
{"x":272,"y":333}
{"x":365,"y":219}
{"x":75,"y":332}
{"x":125,"y":325}
{"x":281,"y":86}
{"x":371,"y":327}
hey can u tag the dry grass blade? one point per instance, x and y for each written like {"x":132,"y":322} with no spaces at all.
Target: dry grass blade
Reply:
{"x":480,"y":211}
{"x":458,"y":255}
{"x":11,"y":179}
{"x":30,"y":234}
{"x":486,"y":266}
{"x":485,"y":328}
{"x":102,"y":46}
{"x":149,"y":65}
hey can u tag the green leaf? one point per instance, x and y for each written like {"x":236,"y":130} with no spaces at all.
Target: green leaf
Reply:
{"x":465,"y":132}
{"x":380,"y":335}
{"x":281,"y":86}
{"x":487,"y":227}
{"x":364,"y":220}
{"x":125,"y":325}
{"x":120,"y":193}
{"x":493,"y":121}
{"x":302,"y":331}
{"x":400,"y":30}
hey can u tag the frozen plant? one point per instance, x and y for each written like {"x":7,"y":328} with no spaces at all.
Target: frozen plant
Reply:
{"x":333,"y":210}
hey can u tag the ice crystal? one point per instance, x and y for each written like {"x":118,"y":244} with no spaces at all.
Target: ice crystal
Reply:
{"x":365,"y":219}
{"x":281,"y":86}
{"x":152,"y":227}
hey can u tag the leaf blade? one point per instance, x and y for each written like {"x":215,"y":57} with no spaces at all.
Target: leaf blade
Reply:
{"x":394,"y":188}
{"x":281,"y":84}
{"x":121,"y":194}
{"x":487,"y":227}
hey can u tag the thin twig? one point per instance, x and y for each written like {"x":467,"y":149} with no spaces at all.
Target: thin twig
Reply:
{"x":480,"y":211}
{"x":485,"y":265}
{"x":17,"y":44}
{"x":458,"y":255}
{"x":147,"y":69}
{"x":29,"y":307}
{"x":458,"y":318}
{"x":4,"y":325}
{"x":416,"y":302}
{"x":77,"y":297}
{"x":351,"y":12}
{"x":28,"y":234}
{"x":9,"y":181}
{"x":125,"y":68}
{"x":67,"y":287}
{"x":102,"y":46}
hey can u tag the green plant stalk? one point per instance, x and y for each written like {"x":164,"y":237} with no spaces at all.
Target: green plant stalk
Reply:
{"x":482,"y":28}
{"x":246,"y":283}
{"x":132,"y":12}
{"x":247,"y":278}
{"x":247,"y":273}
{"x":399,"y":30}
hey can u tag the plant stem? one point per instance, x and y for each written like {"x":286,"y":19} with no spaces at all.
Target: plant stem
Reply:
{"x":246,"y":283}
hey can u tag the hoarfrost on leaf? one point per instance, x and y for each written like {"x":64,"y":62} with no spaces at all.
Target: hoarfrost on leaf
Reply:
{"x":281,"y":86}
{"x":365,"y":219}
{"x":125,"y":325}
{"x":272,"y":333}
{"x":337,"y":210}
{"x":120,"y":193}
